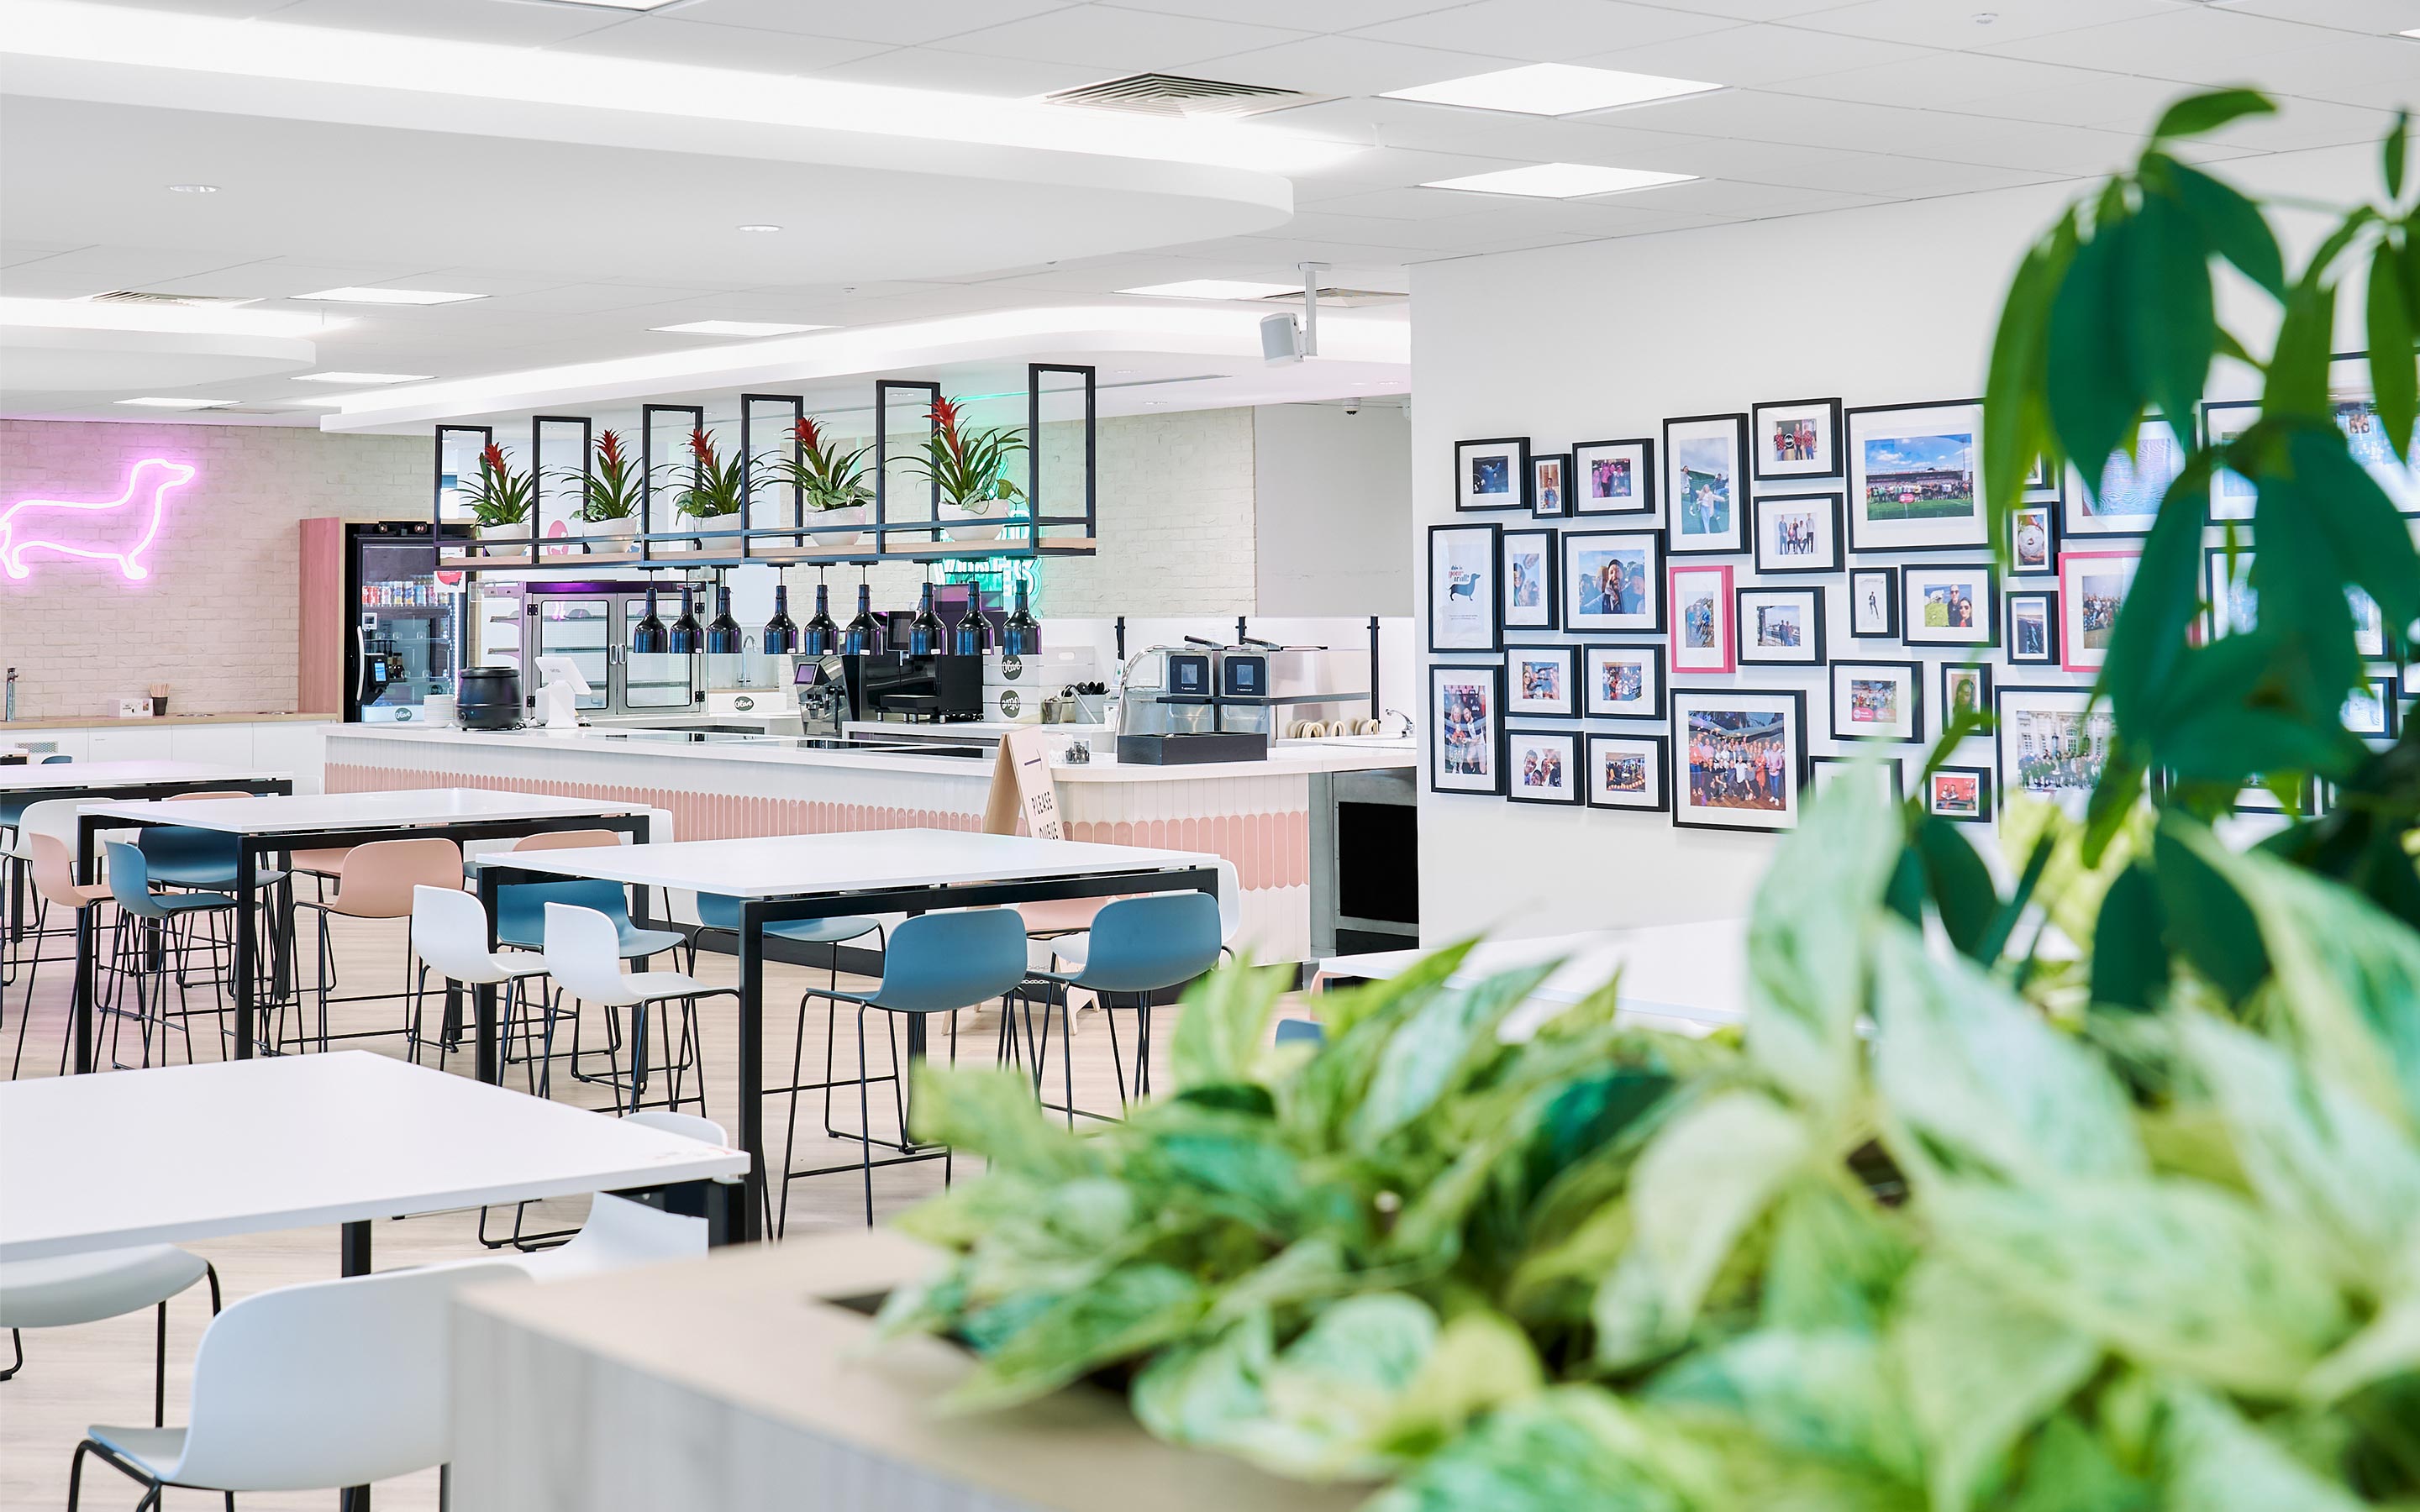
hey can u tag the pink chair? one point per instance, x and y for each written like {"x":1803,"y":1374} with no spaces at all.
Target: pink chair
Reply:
{"x":375,"y":880}
{"x":55,"y":887}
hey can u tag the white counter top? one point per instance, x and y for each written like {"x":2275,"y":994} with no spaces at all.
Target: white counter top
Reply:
{"x":1287,"y":758}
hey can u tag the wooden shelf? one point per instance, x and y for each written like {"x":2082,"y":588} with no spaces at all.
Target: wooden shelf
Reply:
{"x":781,"y":555}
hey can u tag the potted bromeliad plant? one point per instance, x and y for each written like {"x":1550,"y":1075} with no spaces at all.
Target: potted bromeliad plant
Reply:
{"x":609,"y":490}
{"x":969,"y":465}
{"x":501,"y":499}
{"x":832,"y":482}
{"x":710,"y":486}
{"x":2096,"y":1189}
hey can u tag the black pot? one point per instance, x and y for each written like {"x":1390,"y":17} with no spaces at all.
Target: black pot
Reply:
{"x":488,"y":698}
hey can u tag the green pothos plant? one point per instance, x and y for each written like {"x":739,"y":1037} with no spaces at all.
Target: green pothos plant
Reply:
{"x":2103,"y":1192}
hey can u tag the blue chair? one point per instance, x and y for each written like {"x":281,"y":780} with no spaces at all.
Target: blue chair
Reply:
{"x":143,"y":949}
{"x":935,"y":963}
{"x":1290,"y":1030}
{"x":1136,"y":945}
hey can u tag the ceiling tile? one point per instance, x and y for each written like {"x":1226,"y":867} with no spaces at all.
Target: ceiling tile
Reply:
{"x":1355,"y":65}
{"x":2380,"y":18}
{"x":1749,"y":55}
{"x":2193,"y":44}
{"x":1545,"y":30}
{"x":1307,"y":15}
{"x":898,"y":23}
{"x":1753,"y":10}
{"x":1952,"y":24}
{"x":1396,"y":167}
{"x":2340,"y":69}
{"x":1107,"y":38}
{"x":13,"y":253}
{"x":242,"y":9}
{"x":1399,"y":123}
{"x":1939,"y":80}
{"x":68,"y":275}
{"x":1882,"y":173}
{"x":2301,"y":124}
{"x":974,"y":73}
{"x":671,"y":39}
{"x":2111,"y":100}
{"x":1723,"y":197}
{"x":469,"y":21}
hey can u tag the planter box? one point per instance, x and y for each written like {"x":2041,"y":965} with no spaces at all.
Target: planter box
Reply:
{"x":737,"y":1383}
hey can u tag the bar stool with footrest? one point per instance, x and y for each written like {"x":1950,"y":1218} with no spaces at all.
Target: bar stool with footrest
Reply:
{"x":521,"y":922}
{"x":622,"y":1232}
{"x":55,"y":887}
{"x":1136,"y":945}
{"x":584,"y":954}
{"x":935,"y":963}
{"x":449,"y":934}
{"x":376,"y":881}
{"x":146,"y":940}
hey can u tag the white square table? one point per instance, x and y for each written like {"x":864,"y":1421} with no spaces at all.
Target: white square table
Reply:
{"x":177,"y":1153}
{"x":262,"y":827}
{"x":778,"y":878}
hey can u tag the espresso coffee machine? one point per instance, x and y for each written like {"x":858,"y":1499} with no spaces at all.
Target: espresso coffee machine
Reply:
{"x":899,"y":686}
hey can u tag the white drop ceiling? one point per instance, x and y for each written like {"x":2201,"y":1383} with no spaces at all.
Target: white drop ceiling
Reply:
{"x":1828,"y":104}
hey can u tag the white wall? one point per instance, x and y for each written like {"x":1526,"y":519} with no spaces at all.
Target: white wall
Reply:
{"x":1879,"y":306}
{"x":1334,"y":493}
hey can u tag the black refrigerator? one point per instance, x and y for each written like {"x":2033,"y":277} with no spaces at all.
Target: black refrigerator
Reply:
{"x":403,"y":624}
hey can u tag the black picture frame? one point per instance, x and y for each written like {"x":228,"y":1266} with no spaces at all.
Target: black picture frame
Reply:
{"x":1657,"y":800}
{"x":1679,"y":540}
{"x":1487,"y":605}
{"x":2385,"y":687}
{"x":2231,"y":496}
{"x":1819,"y":763}
{"x":1982,"y":779}
{"x":1574,"y":747}
{"x":1572,"y":550}
{"x":1888,"y":591}
{"x":1491,"y":674}
{"x":2042,"y":515}
{"x":1469,"y":460}
{"x":1827,"y":505}
{"x":1914,"y":632}
{"x":1909,"y":675}
{"x":2016,"y":652}
{"x":2067,"y":701}
{"x":1807,"y":653}
{"x":1829,"y":420}
{"x":1688,"y":700}
{"x":1545,"y":614}
{"x":1867,"y":534}
{"x":1653,"y":656}
{"x":1638,"y":453}
{"x":2078,"y":525}
{"x":1550,"y":497}
{"x":1568,"y":659}
{"x":1948,"y":704}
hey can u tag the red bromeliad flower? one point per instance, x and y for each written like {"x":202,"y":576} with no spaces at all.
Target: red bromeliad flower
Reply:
{"x":609,"y":448}
{"x":700,"y":445}
{"x":944,"y":419}
{"x":491,"y":458}
{"x":806,"y":435}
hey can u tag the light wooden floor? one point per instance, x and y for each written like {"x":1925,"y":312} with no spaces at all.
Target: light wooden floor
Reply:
{"x":101,"y":1373}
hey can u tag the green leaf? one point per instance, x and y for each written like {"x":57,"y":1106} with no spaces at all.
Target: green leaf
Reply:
{"x":2070,"y":1469}
{"x":2160,"y":604}
{"x":2130,"y":953}
{"x":2387,"y":1348}
{"x":2198,"y":114}
{"x":1959,"y":882}
{"x":991,"y":1112}
{"x":2172,"y":325}
{"x":1126,"y":1313}
{"x":2016,"y":428}
{"x":2177,"y":1275}
{"x":1980,"y":1371}
{"x":1831,"y":1395}
{"x":2319,"y":1158}
{"x":2218,"y":1463}
{"x":2298,"y":364}
{"x":2396,"y":140}
{"x":1833,"y":1262}
{"x":1570,"y":1448}
{"x":1805,"y":953}
{"x":1708,"y":1174}
{"x":2095,"y":393}
{"x":2390,"y":375}
{"x":1975,"y":1080}
{"x":1222,"y":1029}
{"x":1435,"y":1047}
{"x":2232,"y":227}
{"x":2208,"y":923}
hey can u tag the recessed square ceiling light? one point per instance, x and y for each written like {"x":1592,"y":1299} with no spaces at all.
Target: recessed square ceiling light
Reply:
{"x":1559,"y":180}
{"x":1213,"y":289}
{"x":736,"y":328}
{"x":179,"y":404}
{"x":359,"y":377}
{"x":388,"y":296}
{"x":1552,"y":89}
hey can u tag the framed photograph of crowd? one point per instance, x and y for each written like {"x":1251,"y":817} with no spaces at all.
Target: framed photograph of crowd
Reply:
{"x":1529,"y":579}
{"x":1550,"y":491}
{"x":1965,"y":688}
{"x":2033,"y":541}
{"x":1780,"y":626}
{"x":2126,"y":498}
{"x":1949,"y":604}
{"x":1466,"y":612}
{"x":1630,"y":772}
{"x":1491,"y":474}
{"x":1705,"y":459}
{"x":1798,"y":533}
{"x":2356,"y":415}
{"x":1542,"y":767}
{"x":1542,"y":681}
{"x":1913,"y":483}
{"x":2231,"y":495}
{"x":1796,"y":439}
{"x":1614,"y":477}
{"x":1873,"y":603}
{"x":1877,"y":701}
{"x":1744,"y":750}
{"x":1467,"y":721}
{"x":2372,"y":710}
{"x":1705,"y":638}
{"x":1823,"y":771}
{"x":2092,"y":587}
{"x":1621,"y":682}
{"x":1613,"y":580}
{"x":2033,"y":629}
{"x":1960,"y":793}
{"x":2052,"y":744}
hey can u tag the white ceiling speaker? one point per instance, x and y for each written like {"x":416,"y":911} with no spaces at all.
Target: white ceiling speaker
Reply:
{"x":1283,"y":339}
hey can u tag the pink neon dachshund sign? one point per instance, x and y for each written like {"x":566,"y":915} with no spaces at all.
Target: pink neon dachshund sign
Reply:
{"x":119,"y":530}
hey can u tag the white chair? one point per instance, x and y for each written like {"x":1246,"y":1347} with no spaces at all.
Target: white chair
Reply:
{"x":327,"y":1384}
{"x":449,"y":934}
{"x":620,"y":1232}
{"x":584,"y":954}
{"x":71,"y":1290}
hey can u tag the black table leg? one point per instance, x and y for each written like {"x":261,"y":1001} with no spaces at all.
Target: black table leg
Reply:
{"x":247,"y":943}
{"x":490,"y":1061}
{"x":354,"y":1252}
{"x":87,"y":829}
{"x":751,"y":1068}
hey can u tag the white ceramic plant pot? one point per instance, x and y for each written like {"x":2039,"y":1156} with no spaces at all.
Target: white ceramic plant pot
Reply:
{"x":620,"y":530}
{"x":966,"y":525}
{"x":851,"y":517}
{"x":495,"y":539}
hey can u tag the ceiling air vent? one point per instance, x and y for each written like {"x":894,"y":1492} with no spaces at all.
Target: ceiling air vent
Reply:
{"x":127,"y":296}
{"x":1343,"y":299}
{"x":1169,"y":94}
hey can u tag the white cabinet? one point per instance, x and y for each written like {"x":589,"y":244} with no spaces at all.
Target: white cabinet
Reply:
{"x":292,"y":747}
{"x":228,"y":745}
{"x":153,"y":745}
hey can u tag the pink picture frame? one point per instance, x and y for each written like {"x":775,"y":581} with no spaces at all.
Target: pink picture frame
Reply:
{"x":2087,"y":610}
{"x":1708,"y":643}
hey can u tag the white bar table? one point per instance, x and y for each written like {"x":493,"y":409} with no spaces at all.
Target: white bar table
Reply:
{"x":177,"y":1153}
{"x":1694,"y":975}
{"x":780,"y":878}
{"x":263,"y":826}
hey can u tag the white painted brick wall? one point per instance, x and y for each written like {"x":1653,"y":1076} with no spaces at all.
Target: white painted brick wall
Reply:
{"x":216,"y":620}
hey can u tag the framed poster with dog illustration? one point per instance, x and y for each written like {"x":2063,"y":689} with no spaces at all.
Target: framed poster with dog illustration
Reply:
{"x":1466,"y":608}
